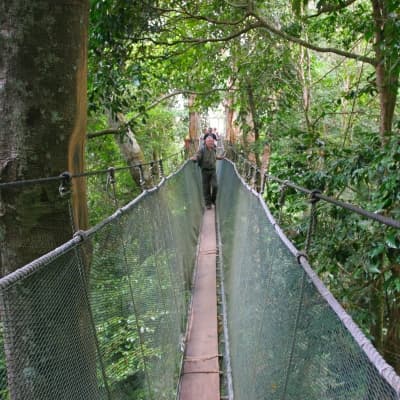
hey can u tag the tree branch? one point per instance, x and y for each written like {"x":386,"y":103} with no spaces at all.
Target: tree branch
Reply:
{"x":265,"y":24}
{"x":216,"y":21}
{"x":321,"y":116}
{"x":114,"y":131}
{"x":108,"y":131}
{"x":209,"y":40}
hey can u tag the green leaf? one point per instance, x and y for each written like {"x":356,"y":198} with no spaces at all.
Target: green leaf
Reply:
{"x":374,"y":269}
{"x":377,"y":250}
{"x":391,"y":241}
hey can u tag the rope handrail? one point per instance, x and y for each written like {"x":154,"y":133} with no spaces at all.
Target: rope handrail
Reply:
{"x":82,"y":174}
{"x":348,"y":206}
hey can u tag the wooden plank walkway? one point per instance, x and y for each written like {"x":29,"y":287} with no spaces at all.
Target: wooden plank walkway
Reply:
{"x":200,"y":376}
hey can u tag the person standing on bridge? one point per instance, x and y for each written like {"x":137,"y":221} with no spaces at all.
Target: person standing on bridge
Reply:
{"x":211,"y":133}
{"x":206,"y":158}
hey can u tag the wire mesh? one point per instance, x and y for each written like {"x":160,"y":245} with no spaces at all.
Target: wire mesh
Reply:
{"x":286,"y":341}
{"x":104,"y":318}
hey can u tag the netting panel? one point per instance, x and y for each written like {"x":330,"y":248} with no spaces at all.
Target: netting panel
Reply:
{"x":105,"y":318}
{"x":286,"y":342}
{"x":49,"y":353}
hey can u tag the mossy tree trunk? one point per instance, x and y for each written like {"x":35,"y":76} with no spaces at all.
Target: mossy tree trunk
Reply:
{"x":43,"y":73}
{"x":42,"y":124}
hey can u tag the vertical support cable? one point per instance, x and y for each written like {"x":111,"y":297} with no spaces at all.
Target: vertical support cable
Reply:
{"x":161,"y":169}
{"x":152,"y":175}
{"x":65,"y":191}
{"x":256,"y":179}
{"x":263,"y":184}
{"x":240,"y":164}
{"x":313,"y":218}
{"x":281,"y":201}
{"x":111,"y":180}
{"x":249,"y":173}
{"x":141,"y":177}
{"x":246,"y":167}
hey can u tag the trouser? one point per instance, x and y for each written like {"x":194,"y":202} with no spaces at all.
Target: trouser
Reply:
{"x":210,"y":187}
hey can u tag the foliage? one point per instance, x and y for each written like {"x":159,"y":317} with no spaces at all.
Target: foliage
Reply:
{"x":115,"y":29}
{"x":101,"y":154}
{"x":353,"y":255}
{"x":161,"y":133}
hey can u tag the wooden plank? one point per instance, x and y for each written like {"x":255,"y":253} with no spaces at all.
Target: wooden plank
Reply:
{"x":200,"y":377}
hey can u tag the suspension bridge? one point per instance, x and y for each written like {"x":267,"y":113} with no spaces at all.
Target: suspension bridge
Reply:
{"x":163,"y":300}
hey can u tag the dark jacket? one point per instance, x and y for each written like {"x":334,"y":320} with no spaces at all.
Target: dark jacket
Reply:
{"x":207,"y":158}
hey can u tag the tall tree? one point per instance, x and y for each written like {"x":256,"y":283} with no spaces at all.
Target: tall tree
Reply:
{"x":42,"y":124}
{"x":42,"y":134}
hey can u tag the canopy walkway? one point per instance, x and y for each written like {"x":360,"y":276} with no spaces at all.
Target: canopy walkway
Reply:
{"x":105,"y":315}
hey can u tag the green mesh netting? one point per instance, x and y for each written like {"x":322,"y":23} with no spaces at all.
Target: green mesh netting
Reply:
{"x":285,"y":340}
{"x":104,"y":318}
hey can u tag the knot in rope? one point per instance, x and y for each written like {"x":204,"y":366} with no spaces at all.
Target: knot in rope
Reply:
{"x":81,"y":235}
{"x":313,"y":196}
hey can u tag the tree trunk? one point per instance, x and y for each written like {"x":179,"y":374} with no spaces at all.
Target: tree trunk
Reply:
{"x":133,"y":155}
{"x":304,"y":75}
{"x":230,"y":117}
{"x":42,"y":124}
{"x":253,"y":136}
{"x":264,"y":168}
{"x":387,"y":84}
{"x":194,"y":125}
{"x":387,"y":69}
{"x":42,"y":133}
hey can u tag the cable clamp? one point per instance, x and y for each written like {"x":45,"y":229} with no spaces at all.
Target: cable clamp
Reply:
{"x":313,"y":196}
{"x":111,"y":175}
{"x":65,"y":185}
